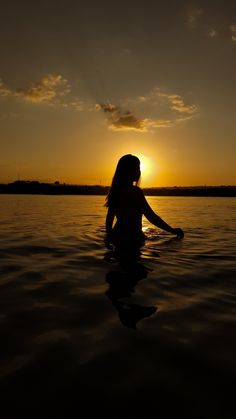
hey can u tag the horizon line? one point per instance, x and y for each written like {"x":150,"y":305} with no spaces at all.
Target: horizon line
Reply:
{"x":58,"y":183}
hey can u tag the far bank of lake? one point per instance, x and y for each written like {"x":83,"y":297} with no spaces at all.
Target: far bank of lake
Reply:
{"x":57,"y":188}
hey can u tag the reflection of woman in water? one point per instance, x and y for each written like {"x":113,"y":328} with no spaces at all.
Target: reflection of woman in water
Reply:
{"x":127,"y":203}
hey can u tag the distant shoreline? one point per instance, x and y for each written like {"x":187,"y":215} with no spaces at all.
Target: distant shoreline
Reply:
{"x":38,"y":188}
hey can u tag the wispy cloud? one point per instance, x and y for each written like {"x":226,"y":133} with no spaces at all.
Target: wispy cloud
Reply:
{"x":159,"y":123}
{"x":75,"y":104}
{"x":52,"y":89}
{"x":161,"y":99}
{"x":211,"y":33}
{"x":233,"y":32}
{"x":121,"y":119}
{"x":203,"y":20}
{"x":193,"y":16}
{"x":4,"y":91}
{"x":157,"y":109}
{"x":177,"y":103}
{"x":46,"y":90}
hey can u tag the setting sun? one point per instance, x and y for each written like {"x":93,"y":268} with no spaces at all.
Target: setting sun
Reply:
{"x":147,"y":168}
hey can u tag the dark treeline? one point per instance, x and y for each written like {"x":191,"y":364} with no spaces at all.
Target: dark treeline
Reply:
{"x":229,"y":191}
{"x":35,"y":187}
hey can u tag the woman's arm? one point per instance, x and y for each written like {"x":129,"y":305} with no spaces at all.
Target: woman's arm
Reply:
{"x":158,"y":222}
{"x":109,"y":222}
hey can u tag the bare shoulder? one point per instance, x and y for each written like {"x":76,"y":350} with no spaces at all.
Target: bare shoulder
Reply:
{"x":138,"y":193}
{"x":134,"y":192}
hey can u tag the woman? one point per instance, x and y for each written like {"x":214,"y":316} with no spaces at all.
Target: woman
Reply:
{"x":127,"y":203}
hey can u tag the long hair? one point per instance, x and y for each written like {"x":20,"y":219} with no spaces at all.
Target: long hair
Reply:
{"x":127,"y":172}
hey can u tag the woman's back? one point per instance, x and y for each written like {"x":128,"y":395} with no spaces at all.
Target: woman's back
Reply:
{"x":129,"y":212}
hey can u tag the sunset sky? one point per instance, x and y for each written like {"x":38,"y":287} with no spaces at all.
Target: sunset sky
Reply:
{"x":84,"y":82}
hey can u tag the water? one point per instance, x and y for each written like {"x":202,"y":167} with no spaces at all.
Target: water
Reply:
{"x":78,"y":332}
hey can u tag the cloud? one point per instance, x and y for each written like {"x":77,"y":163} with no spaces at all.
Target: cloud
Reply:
{"x":75,"y":104}
{"x":163,"y":100}
{"x":158,"y":109}
{"x":193,"y":17}
{"x":45,"y":90}
{"x":120,"y":119}
{"x":159,"y":123}
{"x":178,"y":104}
{"x":211,"y":33}
{"x":107,"y":107}
{"x":128,"y":122}
{"x":207,"y":24}
{"x":233,"y":32}
{"x":4,"y":91}
{"x":51,"y":89}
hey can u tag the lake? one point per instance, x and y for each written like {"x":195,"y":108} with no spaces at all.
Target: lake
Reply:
{"x":78,"y":332}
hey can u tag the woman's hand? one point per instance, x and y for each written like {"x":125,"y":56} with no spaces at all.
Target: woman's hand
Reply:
{"x":179,"y":233}
{"x":108,"y":242}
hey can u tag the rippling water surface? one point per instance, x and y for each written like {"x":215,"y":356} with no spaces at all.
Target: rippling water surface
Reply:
{"x":77,"y":331}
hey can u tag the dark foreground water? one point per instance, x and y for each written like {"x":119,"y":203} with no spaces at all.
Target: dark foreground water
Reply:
{"x":79,"y":334}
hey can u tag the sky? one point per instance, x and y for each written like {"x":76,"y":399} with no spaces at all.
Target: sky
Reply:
{"x":84,"y":82}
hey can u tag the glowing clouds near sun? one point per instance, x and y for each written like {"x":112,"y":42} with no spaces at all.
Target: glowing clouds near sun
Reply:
{"x":121,"y":119}
{"x":157,"y":109}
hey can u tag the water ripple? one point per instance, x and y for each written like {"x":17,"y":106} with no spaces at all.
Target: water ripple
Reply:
{"x":73,"y":322}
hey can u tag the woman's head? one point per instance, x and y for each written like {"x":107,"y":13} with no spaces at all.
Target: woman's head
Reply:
{"x":127,"y":172}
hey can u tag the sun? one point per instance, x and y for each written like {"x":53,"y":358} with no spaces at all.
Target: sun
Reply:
{"x":145,"y":165}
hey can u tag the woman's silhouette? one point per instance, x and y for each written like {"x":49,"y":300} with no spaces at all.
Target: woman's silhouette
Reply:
{"x":127,"y":203}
